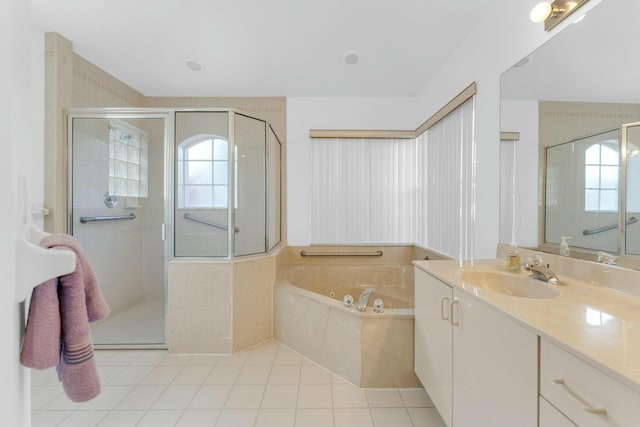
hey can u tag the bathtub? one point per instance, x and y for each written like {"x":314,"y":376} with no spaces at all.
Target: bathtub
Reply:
{"x":366,"y":348}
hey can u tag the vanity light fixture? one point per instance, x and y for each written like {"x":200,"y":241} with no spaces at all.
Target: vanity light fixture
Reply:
{"x":553,"y":13}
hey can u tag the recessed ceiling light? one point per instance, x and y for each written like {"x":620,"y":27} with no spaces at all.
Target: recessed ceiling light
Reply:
{"x":194,"y":65}
{"x":351,"y":58}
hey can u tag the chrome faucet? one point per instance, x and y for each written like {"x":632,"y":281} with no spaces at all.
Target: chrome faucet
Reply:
{"x":605,"y":258}
{"x":540,"y":271}
{"x":363,"y":300}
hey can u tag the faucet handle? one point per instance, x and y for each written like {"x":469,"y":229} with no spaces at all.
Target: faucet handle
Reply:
{"x":606,"y":258}
{"x":536,"y":259}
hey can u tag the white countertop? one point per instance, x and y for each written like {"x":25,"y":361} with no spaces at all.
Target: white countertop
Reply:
{"x":597,"y":324}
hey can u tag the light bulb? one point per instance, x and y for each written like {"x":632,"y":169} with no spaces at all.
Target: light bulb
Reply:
{"x":540,"y":12}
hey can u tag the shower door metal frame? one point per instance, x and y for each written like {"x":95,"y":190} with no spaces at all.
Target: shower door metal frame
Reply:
{"x":167,"y":226}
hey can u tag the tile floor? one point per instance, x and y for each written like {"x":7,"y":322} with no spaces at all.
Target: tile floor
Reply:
{"x":267,"y":386}
{"x":142,"y":323}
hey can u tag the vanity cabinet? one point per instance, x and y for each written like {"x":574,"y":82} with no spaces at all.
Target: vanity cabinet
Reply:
{"x":479,"y":367}
{"x":584,"y":394}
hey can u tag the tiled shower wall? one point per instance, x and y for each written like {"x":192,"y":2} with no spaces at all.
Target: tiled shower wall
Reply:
{"x":220,"y":306}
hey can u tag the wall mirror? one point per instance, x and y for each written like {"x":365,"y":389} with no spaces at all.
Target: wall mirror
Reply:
{"x":576,"y":101}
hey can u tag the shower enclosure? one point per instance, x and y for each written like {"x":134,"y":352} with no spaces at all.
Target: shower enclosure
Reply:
{"x":227,"y":178}
{"x":147,"y":186}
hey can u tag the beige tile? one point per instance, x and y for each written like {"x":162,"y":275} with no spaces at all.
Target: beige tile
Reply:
{"x":285,"y":356}
{"x":83,"y":419}
{"x":176,"y":397}
{"x":123,"y":358}
{"x":416,"y":398}
{"x":108,"y":398}
{"x":233,"y":359}
{"x":150,"y":358}
{"x":388,"y":362}
{"x":314,"y":374}
{"x":122,"y":419}
{"x":262,"y":355}
{"x":42,"y":395}
{"x":193,"y":375}
{"x":391,"y":417}
{"x":199,"y":418}
{"x":381,"y":398}
{"x":352,"y":417}
{"x":427,"y":417}
{"x":162,"y":375}
{"x":176,"y":360}
{"x":102,"y":356}
{"x":245,"y":396}
{"x":204,"y":360}
{"x":349,"y":396}
{"x":336,"y":379}
{"x":141,"y":397}
{"x":285,"y":375}
{"x":314,"y":396}
{"x":223,"y":374}
{"x":237,"y":418}
{"x":211,"y":397}
{"x":160,"y":419}
{"x":48,"y":418}
{"x":61,"y":403}
{"x":280,"y":396}
{"x":275,"y":418}
{"x":314,"y":418}
{"x":131,"y":375}
{"x":254,"y":374}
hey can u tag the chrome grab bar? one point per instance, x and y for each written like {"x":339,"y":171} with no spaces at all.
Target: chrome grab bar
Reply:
{"x":207,"y":222}
{"x":84,"y":219}
{"x":631,"y":220}
{"x":305,"y":253}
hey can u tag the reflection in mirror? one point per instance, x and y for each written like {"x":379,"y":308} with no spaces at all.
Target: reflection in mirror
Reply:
{"x":581,"y":193}
{"x":581,"y":82}
{"x":631,"y":134}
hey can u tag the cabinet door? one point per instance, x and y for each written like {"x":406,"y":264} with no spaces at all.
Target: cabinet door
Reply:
{"x":551,"y":417}
{"x":495,"y":367}
{"x":433,"y":340}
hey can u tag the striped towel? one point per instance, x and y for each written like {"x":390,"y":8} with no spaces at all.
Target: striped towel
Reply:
{"x":57,"y":332}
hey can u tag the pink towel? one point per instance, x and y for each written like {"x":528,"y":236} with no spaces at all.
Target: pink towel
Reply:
{"x":57,"y":332}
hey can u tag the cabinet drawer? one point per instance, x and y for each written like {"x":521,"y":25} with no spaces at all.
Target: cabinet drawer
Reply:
{"x":551,"y":417}
{"x":583,"y":393}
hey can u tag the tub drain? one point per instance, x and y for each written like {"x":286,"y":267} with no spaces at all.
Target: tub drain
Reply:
{"x":332,"y":294}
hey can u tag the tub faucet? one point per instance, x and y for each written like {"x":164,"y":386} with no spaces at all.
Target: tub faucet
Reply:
{"x":540,"y":271}
{"x":364,"y":299}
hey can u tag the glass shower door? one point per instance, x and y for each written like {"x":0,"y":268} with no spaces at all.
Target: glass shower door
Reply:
{"x":117,"y":214}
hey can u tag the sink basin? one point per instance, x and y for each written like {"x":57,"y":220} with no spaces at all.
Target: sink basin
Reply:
{"x":516,"y":285}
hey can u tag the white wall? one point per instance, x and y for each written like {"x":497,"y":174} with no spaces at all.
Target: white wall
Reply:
{"x":20,"y":112}
{"x":495,"y":45}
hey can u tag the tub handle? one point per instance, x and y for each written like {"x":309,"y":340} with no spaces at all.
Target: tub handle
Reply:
{"x":304,"y":253}
{"x":444,"y":302}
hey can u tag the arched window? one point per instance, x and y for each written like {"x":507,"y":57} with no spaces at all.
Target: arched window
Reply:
{"x":601,"y":175}
{"x":203,"y":171}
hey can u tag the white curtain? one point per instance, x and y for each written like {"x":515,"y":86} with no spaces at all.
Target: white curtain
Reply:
{"x":446,"y":184}
{"x":418,"y":191}
{"x":362,"y":190}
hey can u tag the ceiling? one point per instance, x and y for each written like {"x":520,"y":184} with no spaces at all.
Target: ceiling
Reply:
{"x":266,"y":48}
{"x":591,"y":61}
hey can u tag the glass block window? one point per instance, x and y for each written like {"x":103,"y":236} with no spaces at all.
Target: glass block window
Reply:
{"x":128,"y":160}
{"x":203,"y":171}
{"x":601,"y":174}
